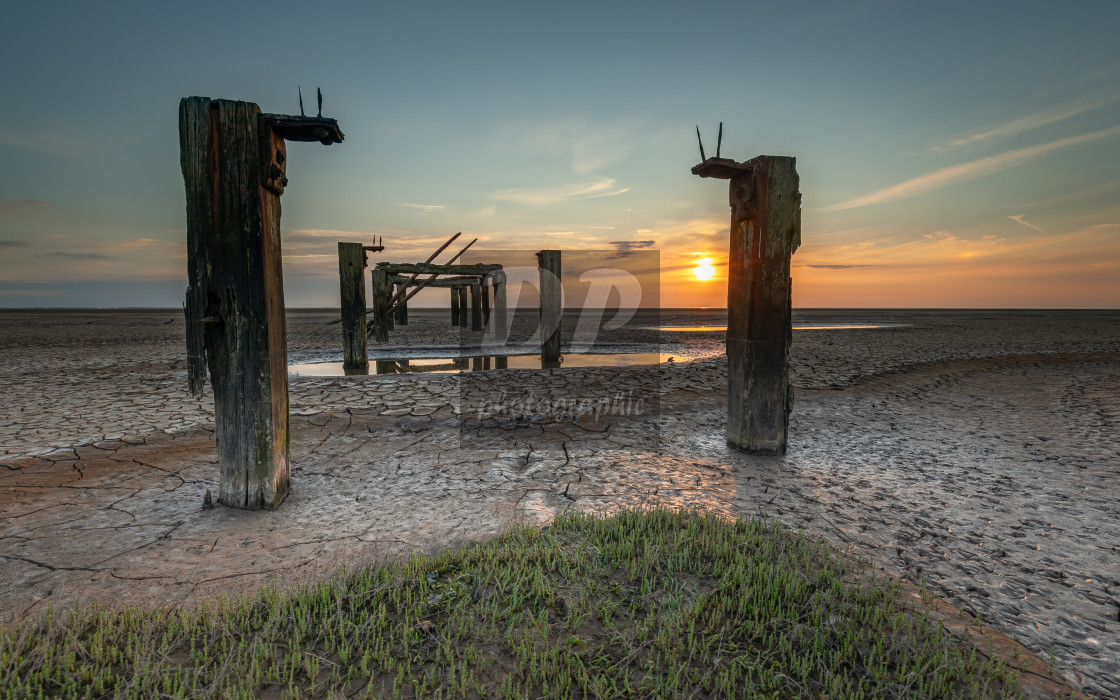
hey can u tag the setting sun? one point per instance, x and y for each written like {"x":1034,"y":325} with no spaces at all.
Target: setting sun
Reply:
{"x":704,"y":270}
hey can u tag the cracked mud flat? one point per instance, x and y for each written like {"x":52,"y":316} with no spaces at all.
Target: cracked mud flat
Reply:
{"x":977,"y":450}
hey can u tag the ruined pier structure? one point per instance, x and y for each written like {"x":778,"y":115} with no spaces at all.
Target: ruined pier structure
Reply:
{"x":393,"y":284}
{"x":392,"y":281}
{"x":765,"y":231}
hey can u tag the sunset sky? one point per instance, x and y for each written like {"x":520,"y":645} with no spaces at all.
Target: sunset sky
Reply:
{"x":951,"y":154}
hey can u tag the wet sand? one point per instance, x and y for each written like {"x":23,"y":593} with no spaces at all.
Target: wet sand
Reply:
{"x":977,"y":451}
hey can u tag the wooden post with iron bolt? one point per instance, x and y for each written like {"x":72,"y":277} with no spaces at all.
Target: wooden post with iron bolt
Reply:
{"x":765,"y":231}
{"x":548,"y":266}
{"x":234,"y":163}
{"x":352,"y":284}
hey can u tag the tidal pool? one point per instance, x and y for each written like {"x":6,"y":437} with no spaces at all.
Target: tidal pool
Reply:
{"x":478,"y":363}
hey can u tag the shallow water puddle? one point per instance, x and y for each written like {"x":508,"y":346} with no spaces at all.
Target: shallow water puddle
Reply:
{"x":447,"y":365}
{"x":796,"y":327}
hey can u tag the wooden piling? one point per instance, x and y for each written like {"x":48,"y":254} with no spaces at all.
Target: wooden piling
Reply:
{"x":476,"y":306}
{"x":484,"y":293}
{"x":236,"y":293}
{"x":548,"y":264}
{"x":401,"y":315}
{"x":765,"y":231}
{"x":501,"y":326}
{"x":456,"y":309}
{"x":379,"y":313}
{"x":352,"y":286}
{"x":462,"y":292}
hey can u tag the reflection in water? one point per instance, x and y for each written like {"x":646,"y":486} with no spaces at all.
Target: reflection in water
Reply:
{"x":479,"y":363}
{"x":796,"y":327}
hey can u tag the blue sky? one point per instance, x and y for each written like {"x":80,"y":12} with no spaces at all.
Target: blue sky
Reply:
{"x":951,"y":154}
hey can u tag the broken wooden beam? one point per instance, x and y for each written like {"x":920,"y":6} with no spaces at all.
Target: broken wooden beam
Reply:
{"x":441,"y":282}
{"x":291,"y":128}
{"x":432,"y":269}
{"x":433,"y":256}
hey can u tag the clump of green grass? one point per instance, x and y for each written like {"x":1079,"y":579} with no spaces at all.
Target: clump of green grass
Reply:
{"x":650,"y":603}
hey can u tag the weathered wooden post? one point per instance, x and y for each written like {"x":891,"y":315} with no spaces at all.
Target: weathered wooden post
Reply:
{"x":476,"y":305}
{"x":455,"y":310}
{"x":501,"y":329}
{"x":765,"y":231}
{"x":548,"y":266}
{"x":379,"y":313}
{"x":402,"y":307}
{"x":234,"y":164}
{"x":484,"y":292}
{"x":352,"y":283}
{"x":461,"y":290}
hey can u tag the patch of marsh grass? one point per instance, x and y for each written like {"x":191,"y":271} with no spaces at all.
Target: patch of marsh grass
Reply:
{"x":652,"y":603}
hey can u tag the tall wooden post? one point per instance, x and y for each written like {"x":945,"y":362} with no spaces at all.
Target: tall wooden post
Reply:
{"x":548,"y":265}
{"x":352,"y":283}
{"x":462,"y":292}
{"x":476,"y":305}
{"x":765,"y":231}
{"x":501,"y":329}
{"x":484,"y":292}
{"x":233,"y":160}
{"x":379,"y":312}
{"x":455,"y":308}
{"x":402,"y":309}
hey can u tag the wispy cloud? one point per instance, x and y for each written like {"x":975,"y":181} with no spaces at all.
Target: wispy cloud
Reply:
{"x":48,"y":142}
{"x":967,"y":171}
{"x":560,"y":193}
{"x":632,"y":245}
{"x":12,"y":244}
{"x":1093,"y":244}
{"x":423,"y":208}
{"x":1102,"y":188}
{"x":22,"y":204}
{"x":835,"y":267}
{"x":73,"y":256}
{"x":1022,"y":219}
{"x":31,"y":292}
{"x":1034,"y":121}
{"x":589,"y":146}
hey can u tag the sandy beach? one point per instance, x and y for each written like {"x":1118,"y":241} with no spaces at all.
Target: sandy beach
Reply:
{"x":974,"y":451}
